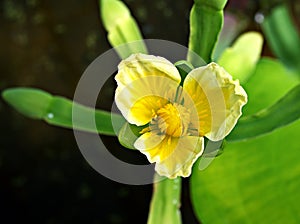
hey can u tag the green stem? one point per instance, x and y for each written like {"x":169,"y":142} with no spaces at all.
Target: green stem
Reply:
{"x":165,"y":203}
{"x":206,"y":21}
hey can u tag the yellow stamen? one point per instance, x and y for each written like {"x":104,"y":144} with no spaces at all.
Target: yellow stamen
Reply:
{"x":173,"y":119}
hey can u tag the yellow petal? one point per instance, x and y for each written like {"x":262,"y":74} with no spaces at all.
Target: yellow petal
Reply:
{"x":218,"y":99}
{"x":200,"y":102}
{"x":152,"y":145}
{"x":145,"y":84}
{"x":139,"y":101}
{"x":141,"y":65}
{"x":173,"y":156}
{"x":156,"y":147}
{"x":180,"y":161}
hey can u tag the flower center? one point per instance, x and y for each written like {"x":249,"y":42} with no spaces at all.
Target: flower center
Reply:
{"x":173,"y":119}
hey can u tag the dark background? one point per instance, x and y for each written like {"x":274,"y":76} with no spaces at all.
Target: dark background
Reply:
{"x":48,"y":44}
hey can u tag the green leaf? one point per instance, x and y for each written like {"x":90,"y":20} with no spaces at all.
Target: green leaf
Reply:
{"x":128,"y":134}
{"x":213,"y":149}
{"x":60,"y":111}
{"x":183,"y":68}
{"x":282,"y":113}
{"x":121,"y":28}
{"x":32,"y":103}
{"x":270,"y":81}
{"x":214,"y":4}
{"x":254,"y":181}
{"x":206,"y":21}
{"x":240,"y":59}
{"x":111,"y":19}
{"x":165,"y":203}
{"x":282,"y":36}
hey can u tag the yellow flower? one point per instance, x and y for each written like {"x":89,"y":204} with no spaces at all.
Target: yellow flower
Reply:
{"x":176,"y":117}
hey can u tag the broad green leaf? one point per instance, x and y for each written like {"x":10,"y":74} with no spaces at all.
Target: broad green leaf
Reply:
{"x":240,"y":59}
{"x":282,"y":113}
{"x":121,"y":28}
{"x":206,"y":20}
{"x":58,"y":111}
{"x":165,"y":203}
{"x":254,"y":181}
{"x":270,"y":81}
{"x":282,"y":36}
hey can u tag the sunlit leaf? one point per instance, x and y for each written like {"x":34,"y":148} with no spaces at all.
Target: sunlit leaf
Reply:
{"x":165,"y":203}
{"x":121,"y":28}
{"x":254,"y":181}
{"x":282,"y":113}
{"x":240,"y":59}
{"x":59,"y":111}
{"x":206,"y":20}
{"x":270,"y":82}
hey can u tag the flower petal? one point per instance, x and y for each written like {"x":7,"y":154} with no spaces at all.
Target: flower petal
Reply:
{"x":156,"y":147}
{"x":200,"y":102}
{"x":173,"y":156}
{"x":218,"y":99}
{"x":145,"y":84}
{"x":180,"y":162}
{"x":141,"y":65}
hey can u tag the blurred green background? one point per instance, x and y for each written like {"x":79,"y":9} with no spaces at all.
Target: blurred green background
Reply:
{"x":48,"y":44}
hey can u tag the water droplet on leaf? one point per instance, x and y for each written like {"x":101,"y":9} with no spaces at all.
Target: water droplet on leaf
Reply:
{"x":50,"y":115}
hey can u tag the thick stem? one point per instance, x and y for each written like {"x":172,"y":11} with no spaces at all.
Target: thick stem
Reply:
{"x":165,"y":202}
